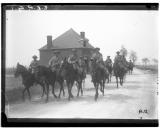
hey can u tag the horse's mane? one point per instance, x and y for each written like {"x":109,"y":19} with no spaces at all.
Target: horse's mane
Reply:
{"x":22,"y":67}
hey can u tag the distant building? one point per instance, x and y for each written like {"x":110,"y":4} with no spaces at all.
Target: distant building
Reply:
{"x":65,"y":43}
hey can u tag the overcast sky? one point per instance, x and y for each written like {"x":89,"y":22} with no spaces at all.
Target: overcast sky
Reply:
{"x":26,"y":31}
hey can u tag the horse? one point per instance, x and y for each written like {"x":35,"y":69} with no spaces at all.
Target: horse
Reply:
{"x":98,"y":77}
{"x":50,"y":78}
{"x":80,"y":77}
{"x":109,"y":74}
{"x":119,"y":72}
{"x":60,"y":79}
{"x":130,"y":68}
{"x":28,"y":79}
{"x":71,"y":75}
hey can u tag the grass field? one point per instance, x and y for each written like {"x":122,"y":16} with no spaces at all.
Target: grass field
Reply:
{"x":151,"y":68}
{"x":14,"y":88}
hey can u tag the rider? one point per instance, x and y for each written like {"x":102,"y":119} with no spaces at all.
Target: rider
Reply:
{"x":73,"y":59}
{"x":130,"y":63}
{"x":34,"y":64}
{"x":97,"y":56}
{"x":118,"y":57}
{"x":108,"y":61}
{"x":55,"y":62}
{"x":81,"y":61}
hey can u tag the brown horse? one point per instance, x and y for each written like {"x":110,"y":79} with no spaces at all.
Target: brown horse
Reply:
{"x":98,"y":77}
{"x":28,"y":79}
{"x":119,"y":71}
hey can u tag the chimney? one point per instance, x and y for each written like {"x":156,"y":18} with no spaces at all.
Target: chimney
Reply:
{"x":82,"y":34}
{"x":49,"y":41}
{"x":85,"y":42}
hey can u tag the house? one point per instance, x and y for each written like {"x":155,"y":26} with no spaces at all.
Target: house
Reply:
{"x":65,"y":43}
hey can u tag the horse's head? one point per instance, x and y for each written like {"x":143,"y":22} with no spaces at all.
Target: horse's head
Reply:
{"x":19,"y":70}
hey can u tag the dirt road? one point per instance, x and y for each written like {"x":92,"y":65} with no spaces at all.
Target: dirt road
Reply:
{"x":136,"y":99}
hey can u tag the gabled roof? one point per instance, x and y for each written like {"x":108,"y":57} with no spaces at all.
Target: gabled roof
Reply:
{"x":69,"y":39}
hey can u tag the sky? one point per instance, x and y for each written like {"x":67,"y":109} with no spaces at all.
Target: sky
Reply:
{"x":26,"y":31}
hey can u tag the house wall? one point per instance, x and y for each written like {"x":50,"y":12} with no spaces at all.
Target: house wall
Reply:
{"x":45,"y":55}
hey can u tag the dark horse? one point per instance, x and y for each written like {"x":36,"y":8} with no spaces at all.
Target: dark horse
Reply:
{"x":98,"y":77}
{"x":119,"y":72}
{"x":71,"y":75}
{"x":28,"y":79}
{"x":51,"y":78}
{"x":130,"y":67}
{"x":109,"y":74}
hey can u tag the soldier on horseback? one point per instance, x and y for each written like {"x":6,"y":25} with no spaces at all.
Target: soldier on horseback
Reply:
{"x":98,"y":59}
{"x":108,"y":61}
{"x":118,"y":57}
{"x":33,"y":65}
{"x":130,"y":63}
{"x":54,"y":62}
{"x":121,"y":60}
{"x":73,"y":59}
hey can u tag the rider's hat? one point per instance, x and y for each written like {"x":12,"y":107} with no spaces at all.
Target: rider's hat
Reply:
{"x":117,"y":52}
{"x":98,"y":49}
{"x":35,"y":57}
{"x":73,"y":50}
{"x":56,"y":52}
{"x":91,"y":58}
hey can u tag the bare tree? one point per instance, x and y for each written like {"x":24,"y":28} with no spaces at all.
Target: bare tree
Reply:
{"x":133,"y":56}
{"x":145,"y":61}
{"x":155,"y":61}
{"x":123,"y":51}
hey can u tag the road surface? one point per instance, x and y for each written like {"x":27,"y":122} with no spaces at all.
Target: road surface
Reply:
{"x":136,"y":99}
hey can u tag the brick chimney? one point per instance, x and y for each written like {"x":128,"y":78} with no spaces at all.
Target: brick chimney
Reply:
{"x":49,"y":41}
{"x":82,"y":34}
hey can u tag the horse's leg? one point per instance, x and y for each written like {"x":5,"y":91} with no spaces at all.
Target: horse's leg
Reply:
{"x":117,"y":81}
{"x":53,"y":90}
{"x":120,"y":78}
{"x":43,"y":91}
{"x":103,"y":87}
{"x":82,"y":88}
{"x":96,"y":96}
{"x":71,"y":85}
{"x":78,"y":87}
{"x":47,"y":89}
{"x":68,"y":86}
{"x":110,"y":77}
{"x":61,"y":88}
{"x":29,"y":93}
{"x":122,"y":81}
{"x":23,"y":94}
{"x":108,"y":80}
